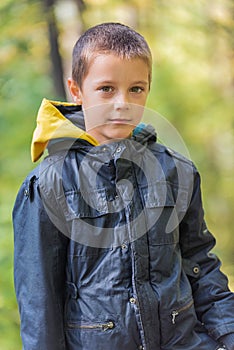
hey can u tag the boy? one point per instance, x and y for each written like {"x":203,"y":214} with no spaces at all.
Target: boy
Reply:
{"x":111,"y":248}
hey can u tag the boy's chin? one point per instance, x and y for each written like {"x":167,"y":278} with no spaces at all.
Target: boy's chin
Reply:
{"x":112,"y":133}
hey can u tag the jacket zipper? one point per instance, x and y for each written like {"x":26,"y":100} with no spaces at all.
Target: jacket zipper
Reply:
{"x":177,"y":312}
{"x":101,"y":326}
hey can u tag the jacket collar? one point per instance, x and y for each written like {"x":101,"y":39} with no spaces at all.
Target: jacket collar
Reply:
{"x":59,"y":121}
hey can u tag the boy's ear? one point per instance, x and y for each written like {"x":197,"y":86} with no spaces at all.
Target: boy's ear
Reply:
{"x":75,"y":91}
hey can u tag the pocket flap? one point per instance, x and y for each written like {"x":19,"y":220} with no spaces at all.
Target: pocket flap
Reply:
{"x":86,"y":204}
{"x":158,"y":194}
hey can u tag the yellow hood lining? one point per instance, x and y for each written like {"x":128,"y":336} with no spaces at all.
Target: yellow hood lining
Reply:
{"x":52,"y":124}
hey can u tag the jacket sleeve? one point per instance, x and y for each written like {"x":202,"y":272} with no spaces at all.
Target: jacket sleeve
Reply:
{"x":39,"y":271}
{"x":214,"y":303}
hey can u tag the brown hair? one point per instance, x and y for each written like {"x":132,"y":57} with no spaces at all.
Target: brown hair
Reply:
{"x":108,"y":38}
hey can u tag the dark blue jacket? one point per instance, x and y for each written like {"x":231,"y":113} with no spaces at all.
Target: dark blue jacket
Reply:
{"x":112,"y":251}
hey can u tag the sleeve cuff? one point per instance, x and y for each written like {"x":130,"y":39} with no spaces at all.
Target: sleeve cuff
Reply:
{"x":228,"y":341}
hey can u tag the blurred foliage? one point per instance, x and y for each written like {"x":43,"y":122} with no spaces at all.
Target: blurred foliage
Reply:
{"x":193,"y":85}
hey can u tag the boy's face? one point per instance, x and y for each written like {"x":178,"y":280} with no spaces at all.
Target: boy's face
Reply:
{"x":113,"y":95}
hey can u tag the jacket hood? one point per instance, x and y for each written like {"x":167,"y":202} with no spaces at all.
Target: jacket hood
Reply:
{"x":59,"y":120}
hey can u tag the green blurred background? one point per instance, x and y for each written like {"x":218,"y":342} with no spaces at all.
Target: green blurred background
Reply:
{"x":193,"y":87}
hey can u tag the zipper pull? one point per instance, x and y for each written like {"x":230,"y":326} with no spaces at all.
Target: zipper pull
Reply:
{"x":173,"y":315}
{"x":107,"y":326}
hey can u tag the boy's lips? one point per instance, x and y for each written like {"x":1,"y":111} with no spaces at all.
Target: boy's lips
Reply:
{"x":119,"y":121}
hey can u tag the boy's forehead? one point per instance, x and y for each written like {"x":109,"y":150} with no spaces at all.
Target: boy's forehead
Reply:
{"x":112,"y":54}
{"x":112,"y":59}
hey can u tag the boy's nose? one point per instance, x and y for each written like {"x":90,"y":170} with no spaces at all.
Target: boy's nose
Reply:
{"x":121,"y":102}
{"x":121,"y":106}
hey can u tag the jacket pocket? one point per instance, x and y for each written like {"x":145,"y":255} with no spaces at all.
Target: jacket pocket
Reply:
{"x":84,"y":204}
{"x":178,"y":311}
{"x":178,"y":324}
{"x":95,"y":217}
{"x":87,"y":334}
{"x":161,"y":214}
{"x":98,"y":326}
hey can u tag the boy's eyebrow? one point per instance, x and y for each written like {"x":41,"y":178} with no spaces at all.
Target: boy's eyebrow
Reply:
{"x":97,"y":82}
{"x":143,"y":82}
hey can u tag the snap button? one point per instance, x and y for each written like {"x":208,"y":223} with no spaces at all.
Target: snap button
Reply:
{"x":132,"y":300}
{"x":123,"y":246}
{"x":196,"y":270}
{"x":119,"y":149}
{"x":26,"y":193}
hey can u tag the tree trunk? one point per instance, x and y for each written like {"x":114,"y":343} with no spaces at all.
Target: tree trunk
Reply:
{"x":56,"y":60}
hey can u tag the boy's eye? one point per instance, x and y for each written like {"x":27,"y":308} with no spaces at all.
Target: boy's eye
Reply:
{"x":106,"y":89}
{"x":136,"y":89}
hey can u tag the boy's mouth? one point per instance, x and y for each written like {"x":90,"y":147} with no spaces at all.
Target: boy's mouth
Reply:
{"x":119,"y":121}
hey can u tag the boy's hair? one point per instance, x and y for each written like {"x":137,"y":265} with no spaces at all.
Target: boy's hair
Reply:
{"x":108,"y":38}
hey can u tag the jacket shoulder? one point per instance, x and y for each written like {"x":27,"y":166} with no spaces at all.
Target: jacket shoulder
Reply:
{"x":33,"y":178}
{"x":171,"y":153}
{"x":178,"y":156}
